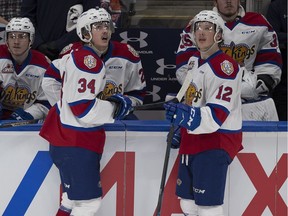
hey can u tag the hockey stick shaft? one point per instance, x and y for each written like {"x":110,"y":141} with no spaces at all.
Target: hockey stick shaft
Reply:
{"x":20,"y":123}
{"x":164,"y":171}
{"x":152,"y":106}
{"x":178,"y":98}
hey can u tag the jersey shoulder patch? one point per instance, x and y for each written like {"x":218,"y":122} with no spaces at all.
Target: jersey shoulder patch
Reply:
{"x":224,"y":66}
{"x":87,"y":60}
{"x":126,"y":51}
{"x":67,"y":49}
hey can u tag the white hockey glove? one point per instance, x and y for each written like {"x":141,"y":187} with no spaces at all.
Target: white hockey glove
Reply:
{"x":72,"y":16}
{"x":248,"y":85}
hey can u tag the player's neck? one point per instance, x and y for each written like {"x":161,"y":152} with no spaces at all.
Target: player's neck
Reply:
{"x":19,"y":59}
{"x":98,"y":51}
{"x":229,"y":18}
{"x":207,"y":53}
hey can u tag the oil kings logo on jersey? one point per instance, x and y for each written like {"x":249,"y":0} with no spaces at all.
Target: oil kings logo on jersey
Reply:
{"x":111,"y":88}
{"x":16,"y":96}
{"x":238,"y":52}
{"x":192,"y":94}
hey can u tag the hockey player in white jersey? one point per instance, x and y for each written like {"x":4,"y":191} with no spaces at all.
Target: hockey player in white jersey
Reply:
{"x":124,"y":71}
{"x":209,"y":120}
{"x":253,"y":43}
{"x":74,"y":125}
{"x":21,"y":73}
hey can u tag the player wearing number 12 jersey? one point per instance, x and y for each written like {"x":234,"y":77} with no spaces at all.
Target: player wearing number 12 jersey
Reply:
{"x":252,"y":42}
{"x":210,"y":120}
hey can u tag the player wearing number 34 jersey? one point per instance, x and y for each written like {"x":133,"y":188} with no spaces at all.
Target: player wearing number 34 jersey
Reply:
{"x":74,"y":125}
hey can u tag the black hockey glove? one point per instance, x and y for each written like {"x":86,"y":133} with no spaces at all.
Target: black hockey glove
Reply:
{"x":49,"y":49}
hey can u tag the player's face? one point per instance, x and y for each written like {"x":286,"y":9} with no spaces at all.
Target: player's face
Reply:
{"x":228,"y":8}
{"x":204,"y":35}
{"x":18,"y":43}
{"x":101,"y":35}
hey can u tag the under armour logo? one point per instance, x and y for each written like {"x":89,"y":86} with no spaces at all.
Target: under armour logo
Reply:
{"x":142,"y":42}
{"x":162,"y":66}
{"x":155,"y":90}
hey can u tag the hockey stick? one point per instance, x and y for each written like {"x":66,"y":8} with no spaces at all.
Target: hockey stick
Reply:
{"x":152,"y":106}
{"x":20,"y":123}
{"x":179,"y":97}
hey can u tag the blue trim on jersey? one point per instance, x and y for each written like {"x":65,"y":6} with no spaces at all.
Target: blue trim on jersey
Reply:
{"x":229,"y":131}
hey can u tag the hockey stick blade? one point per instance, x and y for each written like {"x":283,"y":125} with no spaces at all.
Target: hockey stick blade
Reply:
{"x":20,"y":123}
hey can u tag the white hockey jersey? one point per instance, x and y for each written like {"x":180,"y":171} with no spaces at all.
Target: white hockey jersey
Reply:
{"x":124,"y":73}
{"x":78,"y":117}
{"x":20,"y":85}
{"x":250,"y":40}
{"x":216,"y":90}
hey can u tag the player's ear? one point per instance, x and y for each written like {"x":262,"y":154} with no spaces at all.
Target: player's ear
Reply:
{"x":218,"y":36}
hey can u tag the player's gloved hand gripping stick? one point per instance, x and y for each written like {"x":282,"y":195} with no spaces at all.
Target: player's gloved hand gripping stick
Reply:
{"x":178,"y":99}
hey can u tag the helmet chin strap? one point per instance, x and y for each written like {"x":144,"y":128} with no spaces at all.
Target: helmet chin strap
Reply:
{"x":208,"y":49}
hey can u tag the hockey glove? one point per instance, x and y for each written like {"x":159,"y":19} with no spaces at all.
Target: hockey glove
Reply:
{"x":20,"y":114}
{"x":248,"y":85}
{"x":49,"y":49}
{"x":183,"y":115}
{"x":123,"y":105}
{"x":264,"y":84}
{"x":176,"y":139}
